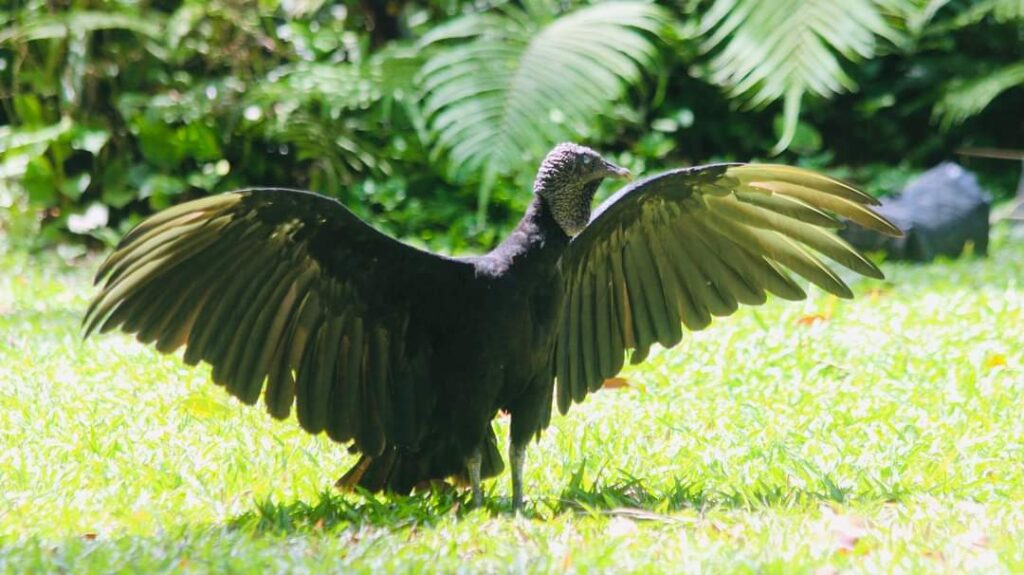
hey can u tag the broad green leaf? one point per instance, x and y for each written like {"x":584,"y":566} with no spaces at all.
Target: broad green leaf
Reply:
{"x":38,"y":181}
{"x":160,"y":189}
{"x":89,"y":140}
{"x":161,"y":144}
{"x":201,"y":142}
{"x":12,"y":138}
{"x":73,"y":187}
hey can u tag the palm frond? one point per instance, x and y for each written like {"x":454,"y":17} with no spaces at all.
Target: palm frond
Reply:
{"x":338,"y":151}
{"x":915,"y":15}
{"x":964,"y":99}
{"x":509,"y":87}
{"x":767,"y":50}
{"x":1002,"y":11}
{"x":344,"y":86}
{"x":341,"y":86}
{"x":1007,"y":10}
{"x":47,"y":26}
{"x":332,"y":113}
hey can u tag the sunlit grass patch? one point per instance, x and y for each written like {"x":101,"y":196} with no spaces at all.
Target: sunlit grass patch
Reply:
{"x":873,"y":434}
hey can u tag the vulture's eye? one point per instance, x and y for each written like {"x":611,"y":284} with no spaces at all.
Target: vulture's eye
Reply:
{"x":586,"y":160}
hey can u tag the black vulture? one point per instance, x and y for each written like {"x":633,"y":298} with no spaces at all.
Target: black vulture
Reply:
{"x":409,"y":355}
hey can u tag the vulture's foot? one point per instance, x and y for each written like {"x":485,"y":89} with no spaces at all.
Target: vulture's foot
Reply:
{"x":516,"y":457}
{"x":473,"y":463}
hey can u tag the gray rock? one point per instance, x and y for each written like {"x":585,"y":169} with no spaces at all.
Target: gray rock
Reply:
{"x":939,"y":213}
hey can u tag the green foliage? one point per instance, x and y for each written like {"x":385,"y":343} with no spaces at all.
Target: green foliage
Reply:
{"x":860,"y":436}
{"x":1003,"y":11}
{"x":415,"y":112}
{"x":516,"y":82}
{"x":765,"y":51}
{"x":968,"y":97}
{"x":77,"y":24}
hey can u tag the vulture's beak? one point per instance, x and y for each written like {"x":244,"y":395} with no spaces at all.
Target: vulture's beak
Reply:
{"x":618,"y":172}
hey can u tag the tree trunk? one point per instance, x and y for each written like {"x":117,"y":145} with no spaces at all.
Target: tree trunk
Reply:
{"x":383,"y":20}
{"x":1020,"y":183}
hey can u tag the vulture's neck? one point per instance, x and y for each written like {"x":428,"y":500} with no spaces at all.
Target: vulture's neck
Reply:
{"x":538,"y":239}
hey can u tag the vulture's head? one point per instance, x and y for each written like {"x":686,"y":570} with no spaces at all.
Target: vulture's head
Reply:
{"x":567,"y":180}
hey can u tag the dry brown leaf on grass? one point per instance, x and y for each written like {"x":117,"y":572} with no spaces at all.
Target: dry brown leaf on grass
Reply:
{"x":876,"y":293}
{"x":995,"y":360}
{"x":828,"y":309}
{"x":934,"y":555}
{"x":615,"y":383}
{"x":566,"y":561}
{"x":811,"y":319}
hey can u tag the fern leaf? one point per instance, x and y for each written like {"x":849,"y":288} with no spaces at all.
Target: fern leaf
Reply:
{"x":510,"y":87}
{"x":766,"y":50}
{"x":965,"y":99}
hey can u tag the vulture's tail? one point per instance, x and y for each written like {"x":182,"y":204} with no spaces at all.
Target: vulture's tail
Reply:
{"x":399,"y":471}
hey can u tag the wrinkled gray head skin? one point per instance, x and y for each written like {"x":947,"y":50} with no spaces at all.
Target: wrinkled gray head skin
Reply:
{"x":567,"y":180}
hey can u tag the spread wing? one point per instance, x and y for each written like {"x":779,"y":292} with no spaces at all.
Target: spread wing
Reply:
{"x":675,"y":249}
{"x":289,"y":289}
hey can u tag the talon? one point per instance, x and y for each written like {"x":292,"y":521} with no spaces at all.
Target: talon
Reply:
{"x":349,"y":481}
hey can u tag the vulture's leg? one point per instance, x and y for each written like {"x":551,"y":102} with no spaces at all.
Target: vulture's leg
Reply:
{"x":516,"y":457}
{"x":473,"y":470}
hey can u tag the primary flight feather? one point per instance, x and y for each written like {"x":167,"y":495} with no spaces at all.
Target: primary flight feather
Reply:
{"x":409,"y":355}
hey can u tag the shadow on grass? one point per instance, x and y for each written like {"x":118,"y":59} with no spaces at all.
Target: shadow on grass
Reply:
{"x":623,"y":496}
{"x":631,"y":493}
{"x":336,"y":509}
{"x":67,"y":318}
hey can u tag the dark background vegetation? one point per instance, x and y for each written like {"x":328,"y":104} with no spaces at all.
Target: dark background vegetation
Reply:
{"x":112,"y":109}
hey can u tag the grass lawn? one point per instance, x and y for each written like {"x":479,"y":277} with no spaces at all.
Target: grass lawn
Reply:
{"x":882,"y":434}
